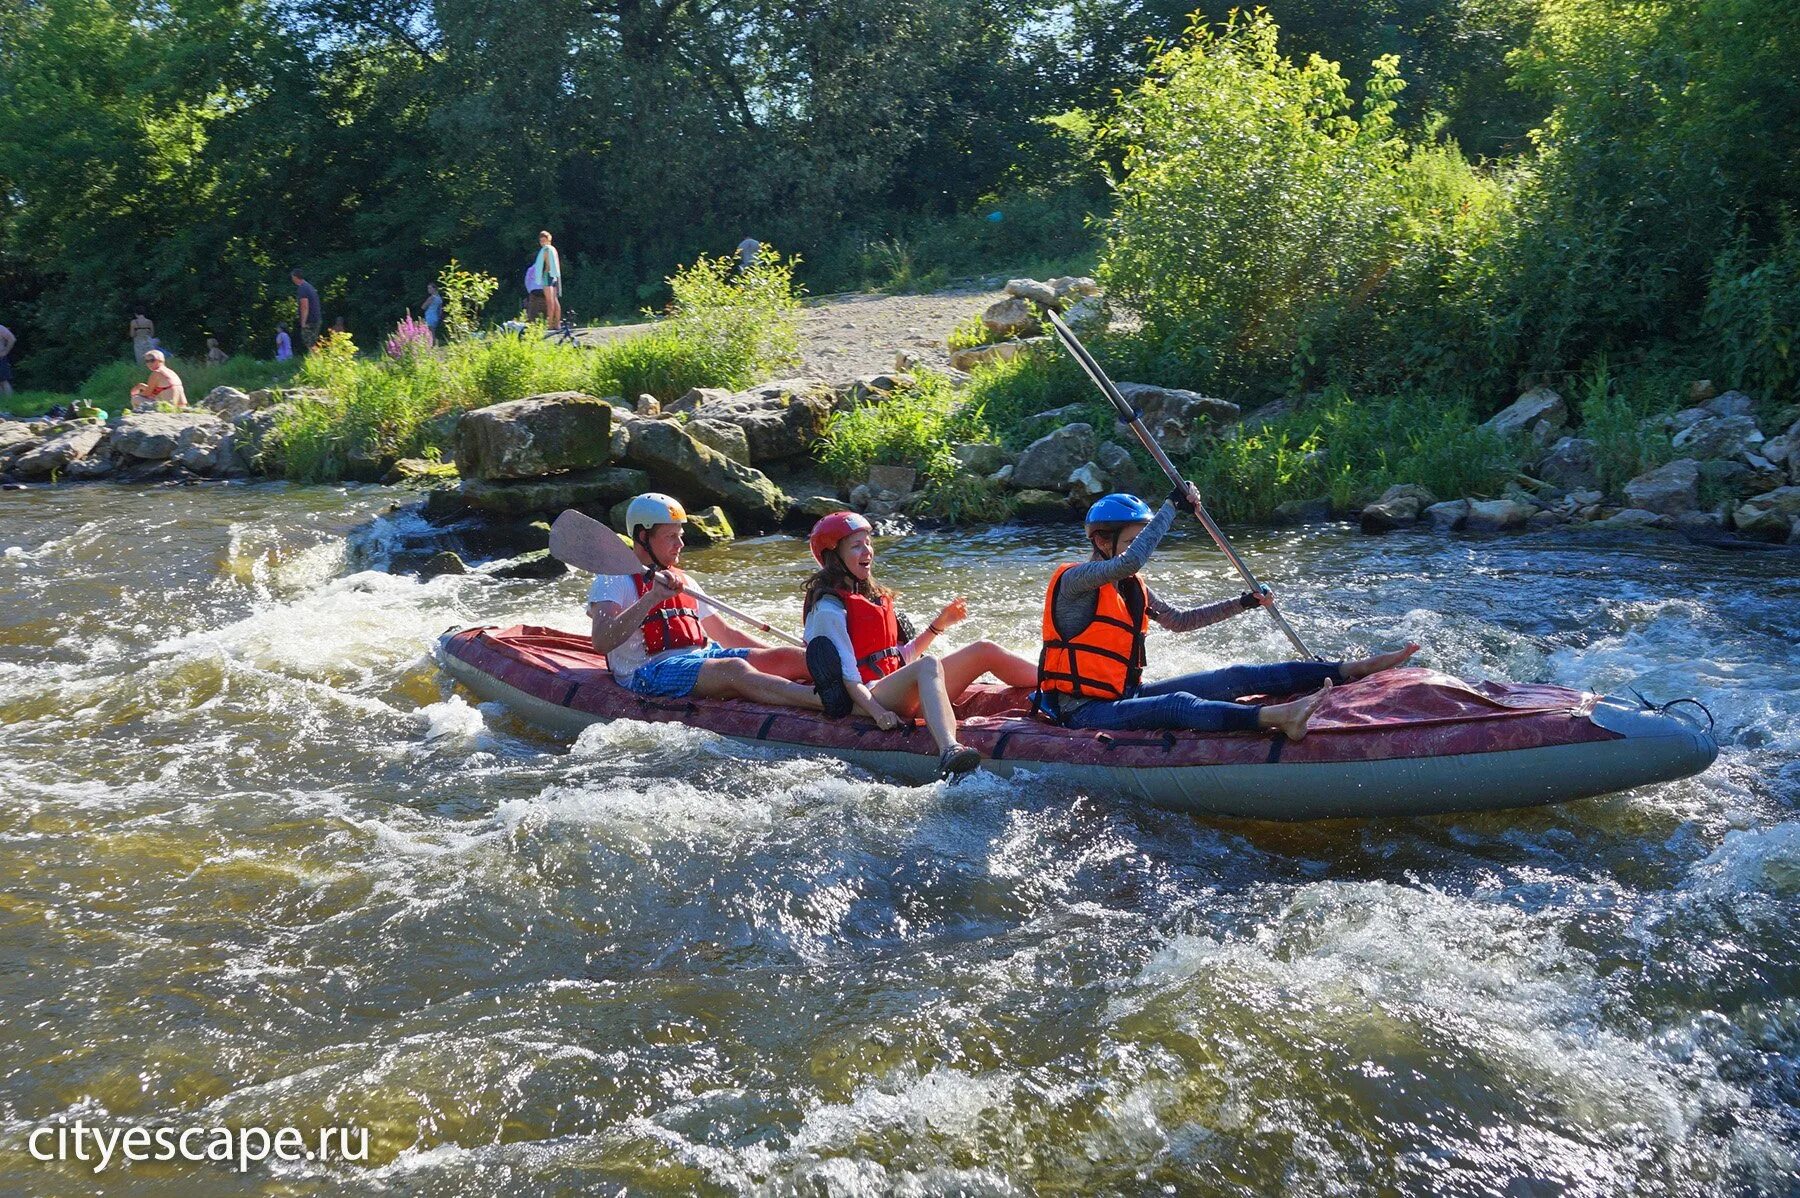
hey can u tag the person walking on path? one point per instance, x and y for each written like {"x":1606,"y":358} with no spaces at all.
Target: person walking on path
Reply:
{"x":214,"y":355}
{"x":549,"y":276}
{"x":749,"y":250}
{"x":143,"y":336}
{"x":7,"y":341}
{"x":1096,"y":612}
{"x":284,"y":345}
{"x":163,"y":387}
{"x":433,"y":310}
{"x":312,"y":316}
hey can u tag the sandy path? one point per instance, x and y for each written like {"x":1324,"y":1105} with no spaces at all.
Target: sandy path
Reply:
{"x":843,"y":336}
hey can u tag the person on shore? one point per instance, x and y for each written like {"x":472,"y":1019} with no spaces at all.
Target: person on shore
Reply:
{"x":855,"y":655}
{"x":432,"y":311}
{"x":1090,"y":670}
{"x":662,"y":641}
{"x":7,"y":341}
{"x":214,"y":355}
{"x":143,"y":336}
{"x":312,"y":316}
{"x":748,"y":251}
{"x":162,"y":388}
{"x":549,"y":277}
{"x":284,"y":345}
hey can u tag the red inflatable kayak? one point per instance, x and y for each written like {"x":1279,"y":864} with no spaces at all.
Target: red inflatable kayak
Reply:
{"x":1405,"y":742}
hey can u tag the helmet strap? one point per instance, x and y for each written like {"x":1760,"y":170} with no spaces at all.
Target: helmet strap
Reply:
{"x":637,"y":534}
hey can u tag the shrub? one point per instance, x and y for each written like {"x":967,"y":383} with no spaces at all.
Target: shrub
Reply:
{"x":915,"y":427}
{"x":1753,"y":314}
{"x":465,"y":293}
{"x":1008,"y":393}
{"x":734,"y":327}
{"x":1614,"y":415}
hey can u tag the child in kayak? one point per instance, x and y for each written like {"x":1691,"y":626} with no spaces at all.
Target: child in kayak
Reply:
{"x":662,"y":641}
{"x":855,"y":654}
{"x":1090,"y":672}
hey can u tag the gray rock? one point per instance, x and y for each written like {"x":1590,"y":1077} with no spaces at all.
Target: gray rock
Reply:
{"x":979,"y":356}
{"x":537,"y":564}
{"x":587,"y":489}
{"x":1303,"y":511}
{"x":1538,"y":413}
{"x":1010,"y":317}
{"x":1671,"y":489}
{"x":678,"y":463}
{"x":1495,"y":515}
{"x":1047,"y":462}
{"x":98,"y":464}
{"x":1087,"y":482}
{"x":1399,"y":507}
{"x":1701,"y":390}
{"x":1177,"y":419}
{"x":897,"y":480}
{"x":1732,"y":403}
{"x":1042,"y":294}
{"x":15,"y":437}
{"x":1718,"y":436}
{"x":1042,"y":507}
{"x":1570,"y":465}
{"x":708,"y":526}
{"x":697,"y":397}
{"x":978,"y":457}
{"x":1036,"y":425}
{"x":859,"y":497}
{"x":728,"y":439}
{"x":648,"y":406}
{"x":1121,"y":470}
{"x":58,"y":451}
{"x":781,"y":419}
{"x":535,"y":436}
{"x":1074,"y":285}
{"x":198,"y":448}
{"x":1087,"y":314}
{"x":226,"y":402}
{"x":419,"y":472}
{"x":443,"y":563}
{"x":155,"y":436}
{"x":1637,"y":517}
{"x":1544,"y":519}
{"x":875,"y":388}
{"x":1779,"y":451}
{"x":1770,"y":516}
{"x":1002,"y":476}
{"x":809,"y":508}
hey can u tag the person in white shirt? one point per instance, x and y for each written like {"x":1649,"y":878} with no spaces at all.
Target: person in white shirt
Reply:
{"x":856,"y":657}
{"x":661,"y":640}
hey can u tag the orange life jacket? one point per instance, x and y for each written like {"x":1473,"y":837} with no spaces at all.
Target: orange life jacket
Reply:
{"x":672,"y":624}
{"x":874,"y":634}
{"x":1104,"y":659}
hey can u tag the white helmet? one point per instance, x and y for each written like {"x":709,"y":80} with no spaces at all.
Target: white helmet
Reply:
{"x":649,"y":510}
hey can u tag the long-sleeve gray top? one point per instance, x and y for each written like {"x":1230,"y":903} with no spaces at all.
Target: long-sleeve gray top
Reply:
{"x":1078,"y":597}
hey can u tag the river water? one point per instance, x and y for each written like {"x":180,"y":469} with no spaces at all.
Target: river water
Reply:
{"x":263,"y":866}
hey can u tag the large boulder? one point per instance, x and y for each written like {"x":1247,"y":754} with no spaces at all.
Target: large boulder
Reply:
{"x":679,"y":464}
{"x":1714,"y":436}
{"x":1042,"y":294}
{"x":1176,"y":418}
{"x":1048,"y":461}
{"x":1087,"y":482}
{"x":978,"y":356}
{"x":1495,"y":515}
{"x":1010,"y":317}
{"x":203,"y":448}
{"x":72,"y":444}
{"x":1042,"y":507}
{"x":728,"y":439}
{"x":155,"y":436}
{"x":1399,"y":507}
{"x":534,"y":436}
{"x":16,"y":437}
{"x":1771,"y":516}
{"x":1121,"y":471}
{"x":708,"y":526}
{"x":1538,"y":413}
{"x":591,"y":490}
{"x":226,"y":402}
{"x":1087,"y":314}
{"x":1448,"y":516}
{"x":1671,"y":489}
{"x":1079,"y":286}
{"x":780,"y":420}
{"x":1570,"y":464}
{"x":1732,"y":403}
{"x":978,"y":457}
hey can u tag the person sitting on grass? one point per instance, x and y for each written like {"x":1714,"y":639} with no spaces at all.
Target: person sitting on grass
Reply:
{"x":662,"y":641}
{"x":1090,"y":671}
{"x":162,"y":391}
{"x":855,"y":655}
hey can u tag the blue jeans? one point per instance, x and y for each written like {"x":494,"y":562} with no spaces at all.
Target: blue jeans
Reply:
{"x":1203,"y":702}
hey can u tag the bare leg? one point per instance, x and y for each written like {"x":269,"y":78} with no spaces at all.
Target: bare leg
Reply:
{"x":783,"y":663}
{"x":1379,"y":662}
{"x":970,"y":662}
{"x":918,"y":686}
{"x":735,"y":678}
{"x":552,"y":307}
{"x":1291,"y":717}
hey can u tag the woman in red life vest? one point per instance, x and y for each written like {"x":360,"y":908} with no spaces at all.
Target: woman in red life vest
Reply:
{"x":856,"y":655}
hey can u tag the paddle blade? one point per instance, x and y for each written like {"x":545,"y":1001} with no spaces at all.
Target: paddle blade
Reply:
{"x":585,"y":543}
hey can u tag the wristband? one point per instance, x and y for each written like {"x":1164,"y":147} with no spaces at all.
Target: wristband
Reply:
{"x":1249,"y":600}
{"x":933,"y":629}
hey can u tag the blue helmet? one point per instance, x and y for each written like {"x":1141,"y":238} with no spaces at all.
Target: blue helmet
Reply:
{"x":1118,"y":508}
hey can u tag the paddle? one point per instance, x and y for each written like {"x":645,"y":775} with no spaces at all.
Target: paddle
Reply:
{"x":1134,"y":418}
{"x":585,"y":543}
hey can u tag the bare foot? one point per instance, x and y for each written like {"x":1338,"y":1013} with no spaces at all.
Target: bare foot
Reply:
{"x":1292,"y":717}
{"x":1378,"y":663}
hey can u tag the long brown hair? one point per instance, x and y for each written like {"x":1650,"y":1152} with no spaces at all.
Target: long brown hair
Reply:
{"x":835,"y":576}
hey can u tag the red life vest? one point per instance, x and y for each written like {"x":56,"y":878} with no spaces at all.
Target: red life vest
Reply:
{"x":874,"y":634}
{"x":672,"y":624}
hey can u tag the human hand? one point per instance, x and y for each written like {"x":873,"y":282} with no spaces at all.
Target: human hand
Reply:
{"x":666,"y":584}
{"x":1265,"y":597}
{"x":884,"y":719}
{"x":953,"y":613}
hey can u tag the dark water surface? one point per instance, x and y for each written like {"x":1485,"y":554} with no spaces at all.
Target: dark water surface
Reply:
{"x":264,"y":867}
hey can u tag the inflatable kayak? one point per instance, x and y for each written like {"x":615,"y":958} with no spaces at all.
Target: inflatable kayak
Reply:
{"x":1405,"y":742}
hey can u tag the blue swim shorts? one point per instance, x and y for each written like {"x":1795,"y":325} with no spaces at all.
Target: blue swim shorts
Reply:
{"x":673,"y":677}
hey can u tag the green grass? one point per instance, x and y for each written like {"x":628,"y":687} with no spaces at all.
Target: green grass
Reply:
{"x":111,"y":384}
{"x":915,"y":427}
{"x":32,"y":403}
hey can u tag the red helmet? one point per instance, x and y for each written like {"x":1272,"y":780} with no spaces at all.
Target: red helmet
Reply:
{"x":829,"y":532}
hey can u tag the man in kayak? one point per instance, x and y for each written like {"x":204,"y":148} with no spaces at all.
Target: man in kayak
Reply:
{"x":856,"y":657}
{"x":661,"y":641}
{"x":1090,"y":671}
